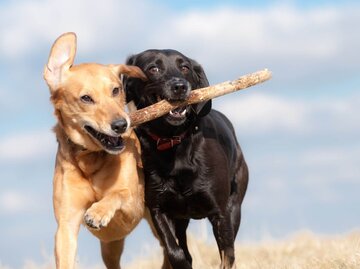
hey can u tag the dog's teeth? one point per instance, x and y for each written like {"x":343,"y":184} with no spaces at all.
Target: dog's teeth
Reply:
{"x":172,"y":113}
{"x":183,"y":113}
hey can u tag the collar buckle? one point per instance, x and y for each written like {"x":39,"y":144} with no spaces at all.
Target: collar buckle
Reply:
{"x":164,"y":143}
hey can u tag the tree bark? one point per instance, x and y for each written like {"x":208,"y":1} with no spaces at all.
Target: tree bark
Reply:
{"x":200,"y":95}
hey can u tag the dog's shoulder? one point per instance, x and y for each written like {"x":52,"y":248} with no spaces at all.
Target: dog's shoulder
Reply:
{"x":63,"y":141}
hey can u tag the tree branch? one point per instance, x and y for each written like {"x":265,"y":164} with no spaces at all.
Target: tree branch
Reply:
{"x":200,"y":95}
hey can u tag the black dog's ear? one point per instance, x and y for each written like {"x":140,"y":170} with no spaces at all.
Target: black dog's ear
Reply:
{"x":128,"y":82}
{"x":130,"y":60}
{"x":201,"y":109}
{"x":200,"y":76}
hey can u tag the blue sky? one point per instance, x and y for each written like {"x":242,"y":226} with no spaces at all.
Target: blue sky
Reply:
{"x":299,"y":131}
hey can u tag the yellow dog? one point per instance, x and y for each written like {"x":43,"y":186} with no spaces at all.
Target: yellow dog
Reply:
{"x":98,"y":178}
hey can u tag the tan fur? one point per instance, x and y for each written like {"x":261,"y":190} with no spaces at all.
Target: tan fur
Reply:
{"x":88,"y":181}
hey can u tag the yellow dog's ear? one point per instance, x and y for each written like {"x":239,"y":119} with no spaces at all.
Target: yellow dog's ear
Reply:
{"x":61,"y":58}
{"x":129,"y":70}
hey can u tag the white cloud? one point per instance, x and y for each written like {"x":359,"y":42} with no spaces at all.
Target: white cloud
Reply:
{"x":320,"y":175}
{"x":294,"y":42}
{"x":279,"y":30}
{"x":27,"y":146}
{"x":31,"y":25}
{"x":236,"y":37}
{"x":331,"y":163}
{"x":14,"y":201}
{"x":259,"y":113}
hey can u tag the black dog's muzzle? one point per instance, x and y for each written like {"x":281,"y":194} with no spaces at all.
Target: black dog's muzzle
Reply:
{"x":177,"y":89}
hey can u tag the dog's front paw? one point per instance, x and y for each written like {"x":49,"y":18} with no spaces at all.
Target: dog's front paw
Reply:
{"x":97,"y":217}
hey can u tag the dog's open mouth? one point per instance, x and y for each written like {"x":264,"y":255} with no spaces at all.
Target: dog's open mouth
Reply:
{"x":177,"y":116}
{"x":178,"y":113}
{"x":111,"y":144}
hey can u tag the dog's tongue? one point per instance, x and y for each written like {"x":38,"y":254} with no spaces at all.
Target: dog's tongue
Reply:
{"x":113,"y":140}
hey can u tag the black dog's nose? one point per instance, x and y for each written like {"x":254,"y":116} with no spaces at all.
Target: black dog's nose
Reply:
{"x":119,"y":126}
{"x":176,"y":89}
{"x":180,"y":87}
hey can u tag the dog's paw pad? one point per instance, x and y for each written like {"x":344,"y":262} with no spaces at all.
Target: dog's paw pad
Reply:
{"x":91,"y":222}
{"x":95,"y":218}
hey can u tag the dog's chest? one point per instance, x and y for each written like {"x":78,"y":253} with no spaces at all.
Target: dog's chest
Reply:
{"x":184,"y":194}
{"x":177,"y":183}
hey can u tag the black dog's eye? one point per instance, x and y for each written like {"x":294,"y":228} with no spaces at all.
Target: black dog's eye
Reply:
{"x":115,"y":91}
{"x":154,"y":70}
{"x":87,"y":99}
{"x":185,"y":69}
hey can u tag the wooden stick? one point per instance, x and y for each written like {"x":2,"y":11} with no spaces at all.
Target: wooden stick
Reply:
{"x":200,"y":95}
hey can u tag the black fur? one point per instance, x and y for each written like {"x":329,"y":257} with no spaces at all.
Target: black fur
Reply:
{"x":205,"y":176}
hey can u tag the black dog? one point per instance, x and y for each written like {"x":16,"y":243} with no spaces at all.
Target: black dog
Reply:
{"x":193,"y":164}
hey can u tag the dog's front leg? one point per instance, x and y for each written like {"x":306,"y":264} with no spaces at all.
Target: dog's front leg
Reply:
{"x":72,"y":195}
{"x":100,"y":213}
{"x":66,"y":242}
{"x":165,"y":229}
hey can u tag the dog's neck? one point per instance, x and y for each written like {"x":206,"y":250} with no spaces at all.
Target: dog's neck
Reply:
{"x":161,"y":128}
{"x":65,"y":141}
{"x":165,"y":143}
{"x":79,"y":156}
{"x":171,"y":137}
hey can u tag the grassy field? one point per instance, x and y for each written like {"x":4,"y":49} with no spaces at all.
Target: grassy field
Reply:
{"x":302,"y":251}
{"x":305,"y":250}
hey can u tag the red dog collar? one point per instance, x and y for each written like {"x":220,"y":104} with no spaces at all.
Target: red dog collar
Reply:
{"x":167,"y":142}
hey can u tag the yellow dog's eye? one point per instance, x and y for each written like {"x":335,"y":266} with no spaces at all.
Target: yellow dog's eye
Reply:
{"x":115,"y":91}
{"x":87,"y":99}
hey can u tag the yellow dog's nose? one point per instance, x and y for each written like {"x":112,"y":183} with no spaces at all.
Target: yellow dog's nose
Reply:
{"x":119,"y":126}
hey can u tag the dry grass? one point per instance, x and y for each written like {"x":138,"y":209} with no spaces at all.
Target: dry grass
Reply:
{"x":303,"y":251}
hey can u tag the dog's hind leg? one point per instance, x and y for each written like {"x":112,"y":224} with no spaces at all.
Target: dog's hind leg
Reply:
{"x":111,"y":253}
{"x":238,"y":190}
{"x":235,"y":216}
{"x":224,"y":235}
